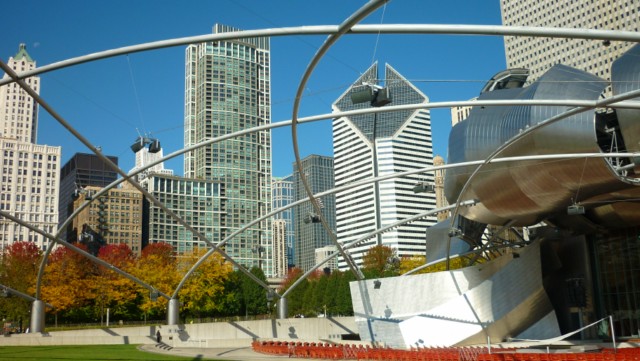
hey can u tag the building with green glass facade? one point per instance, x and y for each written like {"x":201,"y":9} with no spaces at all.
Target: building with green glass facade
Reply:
{"x":197,"y":201}
{"x":227,"y":89}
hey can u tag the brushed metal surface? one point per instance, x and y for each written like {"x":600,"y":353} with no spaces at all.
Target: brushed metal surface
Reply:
{"x":456,"y":307}
{"x":531,"y":191}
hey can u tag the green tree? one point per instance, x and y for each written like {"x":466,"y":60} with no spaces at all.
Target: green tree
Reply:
{"x":232,"y":302}
{"x":308,"y":301}
{"x":318,"y":294}
{"x":329,"y":297}
{"x":295,"y":297}
{"x":254,"y":296}
{"x":344,"y":306}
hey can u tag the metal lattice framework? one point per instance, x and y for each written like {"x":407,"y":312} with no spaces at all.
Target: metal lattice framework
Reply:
{"x":335,"y":32}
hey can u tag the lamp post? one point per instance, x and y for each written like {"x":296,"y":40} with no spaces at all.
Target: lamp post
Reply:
{"x":377,"y":96}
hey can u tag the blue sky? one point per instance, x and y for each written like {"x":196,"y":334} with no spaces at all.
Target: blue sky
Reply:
{"x":111,"y":100}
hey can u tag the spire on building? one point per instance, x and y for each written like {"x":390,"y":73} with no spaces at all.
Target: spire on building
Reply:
{"x":22,"y":53}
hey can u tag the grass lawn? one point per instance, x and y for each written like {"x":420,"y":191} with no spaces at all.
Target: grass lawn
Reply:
{"x":86,"y":353}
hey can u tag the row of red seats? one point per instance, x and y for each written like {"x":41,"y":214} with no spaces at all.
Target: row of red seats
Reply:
{"x":622,"y":354}
{"x":365,"y":352}
{"x":322,"y":350}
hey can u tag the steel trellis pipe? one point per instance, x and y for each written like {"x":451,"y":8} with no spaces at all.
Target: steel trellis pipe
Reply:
{"x":362,"y":13}
{"x":426,"y":29}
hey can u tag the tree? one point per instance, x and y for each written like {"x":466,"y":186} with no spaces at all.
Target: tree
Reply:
{"x":319,"y":291}
{"x":295,"y":300}
{"x":19,"y":270}
{"x":115,"y":291}
{"x":254,"y":296}
{"x":204,"y":292}
{"x":344,"y":305}
{"x":232,"y":298}
{"x":161,"y":250}
{"x":157,"y":267}
{"x":119,"y":255}
{"x":331,"y":291}
{"x":69,"y":284}
{"x":380,"y":261}
{"x":409,"y":263}
{"x":308,"y":302}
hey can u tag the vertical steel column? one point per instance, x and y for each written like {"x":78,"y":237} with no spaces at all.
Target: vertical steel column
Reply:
{"x":283,"y":308}
{"x":173,"y":315}
{"x":37,"y":316}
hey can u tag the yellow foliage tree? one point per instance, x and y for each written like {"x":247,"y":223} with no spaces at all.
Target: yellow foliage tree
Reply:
{"x":158,"y":268}
{"x":203,"y":293}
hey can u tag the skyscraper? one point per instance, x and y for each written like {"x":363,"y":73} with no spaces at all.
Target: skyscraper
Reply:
{"x":378,"y":144}
{"x":30,"y":178}
{"x":81,"y":170}
{"x":227,"y":89}
{"x":144,"y":157}
{"x":197,"y":201}
{"x":279,"y":233}
{"x":309,"y":234}
{"x":538,"y":54}
{"x":282,"y":191}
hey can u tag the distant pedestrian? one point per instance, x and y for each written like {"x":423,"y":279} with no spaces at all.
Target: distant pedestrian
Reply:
{"x":158,"y":336}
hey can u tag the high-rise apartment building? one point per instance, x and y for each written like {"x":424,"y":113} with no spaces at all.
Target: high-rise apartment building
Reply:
{"x":279,"y":234}
{"x":115,"y":217}
{"x":538,"y":54}
{"x":30,"y":178}
{"x":372,"y":145}
{"x":81,"y":170}
{"x":309,"y":233}
{"x":282,"y":195}
{"x":197,"y":201}
{"x":227,"y":89}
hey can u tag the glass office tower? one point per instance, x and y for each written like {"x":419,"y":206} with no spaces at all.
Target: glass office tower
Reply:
{"x":227,"y":89}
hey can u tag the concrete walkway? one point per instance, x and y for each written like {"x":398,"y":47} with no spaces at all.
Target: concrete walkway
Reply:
{"x":236,"y":354}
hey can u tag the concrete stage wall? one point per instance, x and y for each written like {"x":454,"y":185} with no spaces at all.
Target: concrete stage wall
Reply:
{"x":219,"y":334}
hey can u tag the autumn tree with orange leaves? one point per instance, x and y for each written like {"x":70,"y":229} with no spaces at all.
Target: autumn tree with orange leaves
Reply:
{"x":69,"y":284}
{"x":19,"y":270}
{"x":114,"y":291}
{"x":158,"y":267}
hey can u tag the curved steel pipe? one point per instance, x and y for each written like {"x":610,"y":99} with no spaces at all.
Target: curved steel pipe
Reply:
{"x":362,"y":13}
{"x":440,"y":29}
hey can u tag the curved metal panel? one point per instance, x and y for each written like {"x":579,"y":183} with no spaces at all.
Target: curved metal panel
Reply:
{"x":460,"y":307}
{"x":528,"y":192}
{"x":625,"y":77}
